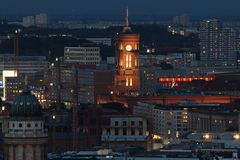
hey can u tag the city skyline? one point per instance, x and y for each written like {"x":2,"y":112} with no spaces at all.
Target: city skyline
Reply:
{"x":119,"y":80}
{"x":153,"y":8}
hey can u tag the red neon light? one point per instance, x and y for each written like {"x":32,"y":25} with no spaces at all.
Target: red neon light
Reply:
{"x":185,"y":79}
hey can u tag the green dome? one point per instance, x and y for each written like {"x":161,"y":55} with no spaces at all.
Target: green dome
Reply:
{"x":26,"y":105}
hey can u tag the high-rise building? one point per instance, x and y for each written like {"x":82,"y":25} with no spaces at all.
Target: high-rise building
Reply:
{"x":127,"y":79}
{"x":210,"y":40}
{"x":82,"y":55}
{"x":229,"y":46}
{"x":217,"y":44}
{"x":182,"y":20}
{"x":41,"y":20}
{"x":28,"y":21}
{"x":94,"y":84}
{"x":90,"y":83}
{"x":59,"y":80}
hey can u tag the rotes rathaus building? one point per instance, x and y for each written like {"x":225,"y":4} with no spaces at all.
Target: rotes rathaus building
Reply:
{"x":127,"y":79}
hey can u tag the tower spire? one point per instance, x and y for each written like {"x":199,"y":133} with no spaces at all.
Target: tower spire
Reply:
{"x":127,"y":22}
{"x":126,"y":26}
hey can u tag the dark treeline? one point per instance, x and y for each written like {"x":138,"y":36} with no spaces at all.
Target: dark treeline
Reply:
{"x":39,"y":43}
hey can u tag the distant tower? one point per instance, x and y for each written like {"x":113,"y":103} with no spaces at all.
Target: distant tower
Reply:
{"x":127,"y":79}
{"x":26,"y":138}
{"x":210,"y":46}
{"x":217,"y":44}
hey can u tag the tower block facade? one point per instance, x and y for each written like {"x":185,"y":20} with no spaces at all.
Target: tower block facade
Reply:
{"x":127,"y":79}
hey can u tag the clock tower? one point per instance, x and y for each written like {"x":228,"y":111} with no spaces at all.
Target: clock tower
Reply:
{"x":127,"y":79}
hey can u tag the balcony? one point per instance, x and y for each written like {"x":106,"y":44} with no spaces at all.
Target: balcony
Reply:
{"x":28,"y":134}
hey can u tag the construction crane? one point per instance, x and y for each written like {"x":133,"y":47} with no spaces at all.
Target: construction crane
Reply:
{"x":75,"y":126}
{"x":58,"y":77}
{"x":16,"y":48}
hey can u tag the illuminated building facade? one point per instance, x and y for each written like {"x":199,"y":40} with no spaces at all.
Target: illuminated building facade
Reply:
{"x":127,"y":79}
{"x":166,"y":120}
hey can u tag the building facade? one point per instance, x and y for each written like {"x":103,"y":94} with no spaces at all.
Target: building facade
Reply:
{"x":41,"y":20}
{"x":213,"y":121}
{"x":28,"y":21}
{"x":166,"y":121}
{"x":125,"y":131}
{"x":94,"y":84}
{"x":82,"y":55}
{"x":89,"y":82}
{"x":217,"y":44}
{"x":127,"y":79}
{"x":26,"y":138}
{"x":25,"y":64}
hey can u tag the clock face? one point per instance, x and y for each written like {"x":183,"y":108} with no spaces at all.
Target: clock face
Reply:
{"x":128,"y":47}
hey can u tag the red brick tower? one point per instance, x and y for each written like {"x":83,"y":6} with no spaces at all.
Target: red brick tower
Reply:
{"x":127,"y":79}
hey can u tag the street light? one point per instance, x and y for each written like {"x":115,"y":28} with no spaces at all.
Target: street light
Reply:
{"x":206,"y":136}
{"x":236,"y":136}
{"x":17,"y":30}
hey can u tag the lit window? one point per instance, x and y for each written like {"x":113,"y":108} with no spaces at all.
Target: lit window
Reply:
{"x":177,"y":134}
{"x":131,"y":82}
{"x":169,"y":131}
{"x":127,"y":61}
{"x":130,"y":61}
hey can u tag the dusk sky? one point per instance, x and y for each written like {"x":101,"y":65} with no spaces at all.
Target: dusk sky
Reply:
{"x":116,"y":7}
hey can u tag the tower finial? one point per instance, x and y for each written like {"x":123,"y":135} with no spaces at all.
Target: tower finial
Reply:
{"x":126,"y":27}
{"x":127,"y":22}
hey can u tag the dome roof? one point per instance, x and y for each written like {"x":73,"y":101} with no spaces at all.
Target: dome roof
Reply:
{"x":26,"y":105}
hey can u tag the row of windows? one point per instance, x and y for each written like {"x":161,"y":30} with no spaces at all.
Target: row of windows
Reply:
{"x":78,"y":49}
{"x":82,"y":54}
{"x":129,"y":81}
{"x":124,"y":123}
{"x":20,"y":125}
{"x":124,"y":131}
{"x":129,"y":61}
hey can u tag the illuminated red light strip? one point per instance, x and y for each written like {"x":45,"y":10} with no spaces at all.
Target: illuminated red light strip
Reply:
{"x":185,"y":79}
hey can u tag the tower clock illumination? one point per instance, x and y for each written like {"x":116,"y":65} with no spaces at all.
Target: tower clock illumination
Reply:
{"x":128,"y":47}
